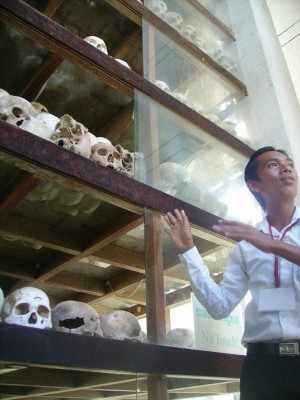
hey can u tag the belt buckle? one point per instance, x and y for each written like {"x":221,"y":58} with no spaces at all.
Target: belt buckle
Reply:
{"x":289,"y":349}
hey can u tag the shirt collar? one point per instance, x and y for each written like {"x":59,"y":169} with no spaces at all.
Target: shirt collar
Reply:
{"x":264,"y":225}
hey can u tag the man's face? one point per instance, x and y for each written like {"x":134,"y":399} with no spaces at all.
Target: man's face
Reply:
{"x":278,"y":178}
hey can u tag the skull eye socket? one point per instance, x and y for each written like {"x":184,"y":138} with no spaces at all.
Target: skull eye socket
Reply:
{"x":16,"y":111}
{"x":116,"y":156}
{"x":22,"y":309}
{"x":102,"y":152}
{"x":43,"y":311}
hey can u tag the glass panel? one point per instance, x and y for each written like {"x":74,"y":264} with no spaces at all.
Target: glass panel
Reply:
{"x":198,"y":29}
{"x":178,"y":73}
{"x":218,"y":8}
{"x":180,"y":319}
{"x":184,"y":161}
{"x":72,"y":108}
{"x":22,"y":59}
{"x":98,"y":18}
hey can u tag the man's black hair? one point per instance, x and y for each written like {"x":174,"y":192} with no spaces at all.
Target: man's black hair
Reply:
{"x":251,"y":173}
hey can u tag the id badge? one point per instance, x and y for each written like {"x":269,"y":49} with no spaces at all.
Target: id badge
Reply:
{"x":277,"y":299}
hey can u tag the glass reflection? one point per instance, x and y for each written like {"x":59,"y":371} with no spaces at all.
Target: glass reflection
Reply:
{"x":179,"y":74}
{"x":182,"y":160}
{"x":199,"y":29}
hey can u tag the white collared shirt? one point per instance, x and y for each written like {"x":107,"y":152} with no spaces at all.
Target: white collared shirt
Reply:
{"x":250,"y":269}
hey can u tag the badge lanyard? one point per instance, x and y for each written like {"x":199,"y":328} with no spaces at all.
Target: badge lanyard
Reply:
{"x":276,"y":261}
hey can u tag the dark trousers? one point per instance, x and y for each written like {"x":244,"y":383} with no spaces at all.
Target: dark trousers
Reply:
{"x":267,"y":377}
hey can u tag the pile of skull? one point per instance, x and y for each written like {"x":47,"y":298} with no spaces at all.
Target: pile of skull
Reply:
{"x":189,"y":32}
{"x":227,"y":124}
{"x":65,"y":132}
{"x":30,"y":307}
{"x":100,"y":45}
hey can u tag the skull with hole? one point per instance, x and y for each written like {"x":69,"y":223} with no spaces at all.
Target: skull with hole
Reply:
{"x":188,"y":32}
{"x":97,"y":42}
{"x":120,"y":325}
{"x":73,"y":136}
{"x":20,"y":112}
{"x":28,"y":306}
{"x":173,"y":177}
{"x":107,"y":155}
{"x":76,"y":317}
{"x":174,"y":19}
{"x":160,"y":9}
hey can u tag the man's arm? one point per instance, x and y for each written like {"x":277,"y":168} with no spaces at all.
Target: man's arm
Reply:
{"x":239,"y":231}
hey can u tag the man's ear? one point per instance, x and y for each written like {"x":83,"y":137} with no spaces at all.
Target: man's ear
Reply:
{"x":253,"y":186}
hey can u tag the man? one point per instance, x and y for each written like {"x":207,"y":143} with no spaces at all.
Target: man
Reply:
{"x":267,"y":263}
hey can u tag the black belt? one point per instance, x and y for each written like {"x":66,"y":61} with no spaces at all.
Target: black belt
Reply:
{"x":275,"y":349}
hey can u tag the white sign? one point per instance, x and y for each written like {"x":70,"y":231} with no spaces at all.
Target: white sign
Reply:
{"x":222,"y":336}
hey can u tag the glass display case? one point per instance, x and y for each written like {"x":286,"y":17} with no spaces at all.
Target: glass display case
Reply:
{"x":81,"y":229}
{"x":196,"y":27}
{"x":184,"y":161}
{"x":218,"y":8}
{"x":175,"y":71}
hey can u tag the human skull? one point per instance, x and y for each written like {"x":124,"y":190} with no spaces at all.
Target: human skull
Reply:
{"x":188,"y":32}
{"x":201,"y":44}
{"x":121,"y":325}
{"x":107,"y":155}
{"x":123,"y":63}
{"x":127,"y":160}
{"x":163,"y":86}
{"x":20,"y":112}
{"x":229,"y":126}
{"x":98,"y":139}
{"x":38,"y":107}
{"x":49,"y":120}
{"x":174,"y":19}
{"x":46,"y":191}
{"x":139,"y":166}
{"x":69,"y":197}
{"x":76,"y":317}
{"x":27,"y":306}
{"x":182,"y":97}
{"x":160,"y":8}
{"x":197,"y":107}
{"x":213,"y":118}
{"x":97,"y":42}
{"x":3,"y":92}
{"x":215,"y":53}
{"x":73,"y":136}
{"x":228,"y":64}
{"x":181,"y":337}
{"x":88,"y":204}
{"x":172,"y":177}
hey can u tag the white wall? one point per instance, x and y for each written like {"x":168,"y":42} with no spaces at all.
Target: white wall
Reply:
{"x":273,"y":111}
